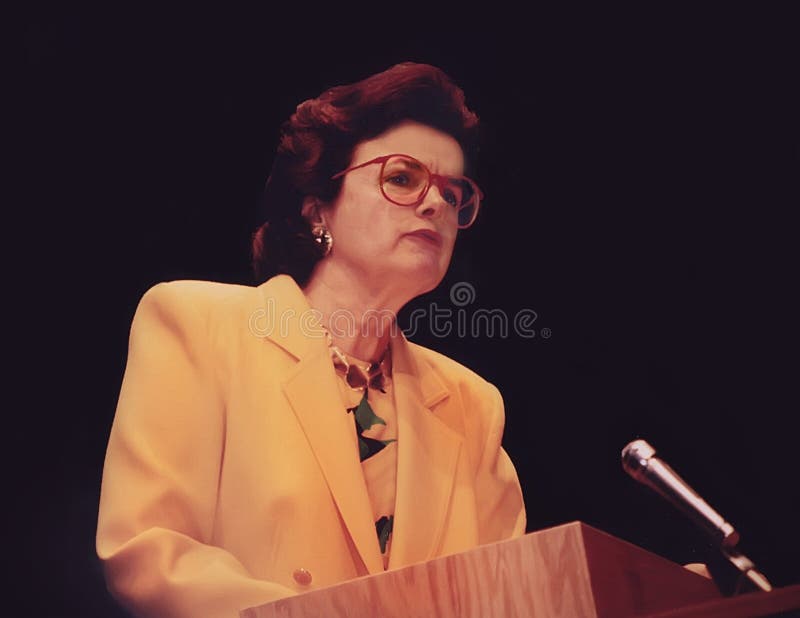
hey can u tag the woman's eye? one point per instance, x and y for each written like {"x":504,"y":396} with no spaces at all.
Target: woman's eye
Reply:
{"x":400,"y":180}
{"x":451,"y":198}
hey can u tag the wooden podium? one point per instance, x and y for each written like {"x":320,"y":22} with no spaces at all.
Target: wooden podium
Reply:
{"x":571,"y":570}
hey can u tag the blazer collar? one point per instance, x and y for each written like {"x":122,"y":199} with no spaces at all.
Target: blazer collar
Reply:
{"x":288,"y":320}
{"x":428,"y":450}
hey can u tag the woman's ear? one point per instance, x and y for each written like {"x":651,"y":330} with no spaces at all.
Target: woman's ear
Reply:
{"x":311,"y":211}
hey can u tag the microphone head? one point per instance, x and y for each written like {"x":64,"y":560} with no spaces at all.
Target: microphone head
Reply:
{"x":635,"y":457}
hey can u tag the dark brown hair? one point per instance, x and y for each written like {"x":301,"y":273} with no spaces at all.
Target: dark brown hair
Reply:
{"x":318,"y":141}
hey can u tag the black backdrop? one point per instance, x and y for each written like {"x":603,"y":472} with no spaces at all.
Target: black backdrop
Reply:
{"x":640,"y":171}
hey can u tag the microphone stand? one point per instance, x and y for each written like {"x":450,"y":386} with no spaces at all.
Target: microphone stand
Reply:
{"x":747,"y":570}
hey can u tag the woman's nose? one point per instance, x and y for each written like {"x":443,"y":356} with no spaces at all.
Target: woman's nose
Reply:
{"x":433,"y":205}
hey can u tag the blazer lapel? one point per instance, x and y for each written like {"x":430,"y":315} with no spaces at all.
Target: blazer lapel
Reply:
{"x":428,"y":450}
{"x":314,"y":396}
{"x":427,"y":457}
{"x":315,"y":399}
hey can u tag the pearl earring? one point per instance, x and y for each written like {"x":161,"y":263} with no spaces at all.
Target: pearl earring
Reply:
{"x":323,"y":238}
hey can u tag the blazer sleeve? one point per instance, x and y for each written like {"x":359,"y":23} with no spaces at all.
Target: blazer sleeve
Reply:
{"x":161,"y":472}
{"x":501,"y":507}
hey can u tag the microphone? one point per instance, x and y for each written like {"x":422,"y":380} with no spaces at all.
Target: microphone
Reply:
{"x":639,"y":461}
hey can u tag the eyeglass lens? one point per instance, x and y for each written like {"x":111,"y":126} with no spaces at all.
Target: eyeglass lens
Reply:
{"x":404,"y":180}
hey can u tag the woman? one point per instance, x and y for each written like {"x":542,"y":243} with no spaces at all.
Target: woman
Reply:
{"x":275,"y":439}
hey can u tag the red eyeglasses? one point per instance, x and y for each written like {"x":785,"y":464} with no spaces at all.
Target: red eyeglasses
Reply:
{"x":405,"y":181}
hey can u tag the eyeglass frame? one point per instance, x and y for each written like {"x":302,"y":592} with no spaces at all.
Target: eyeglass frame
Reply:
{"x":433,"y":179}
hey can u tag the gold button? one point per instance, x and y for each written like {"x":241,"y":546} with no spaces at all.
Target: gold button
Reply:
{"x":302,"y":577}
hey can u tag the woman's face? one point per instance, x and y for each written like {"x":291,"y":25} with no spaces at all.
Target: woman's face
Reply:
{"x":380,"y":242}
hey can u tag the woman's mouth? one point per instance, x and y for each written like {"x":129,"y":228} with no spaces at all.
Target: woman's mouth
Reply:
{"x":428,"y":235}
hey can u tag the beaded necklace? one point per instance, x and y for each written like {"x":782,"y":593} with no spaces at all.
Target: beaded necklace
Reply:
{"x":362,"y":376}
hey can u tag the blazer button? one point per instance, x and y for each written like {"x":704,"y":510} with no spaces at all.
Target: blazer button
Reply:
{"x":302,"y":577}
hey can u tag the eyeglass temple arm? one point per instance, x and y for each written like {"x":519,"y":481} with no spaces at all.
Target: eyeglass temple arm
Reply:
{"x":355,"y":167}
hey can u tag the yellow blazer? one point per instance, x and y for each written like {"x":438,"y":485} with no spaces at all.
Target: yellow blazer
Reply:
{"x":230,"y":463}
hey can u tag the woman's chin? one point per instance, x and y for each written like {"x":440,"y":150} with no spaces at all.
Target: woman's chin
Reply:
{"x":425,"y":278}
{"x":424,"y":268}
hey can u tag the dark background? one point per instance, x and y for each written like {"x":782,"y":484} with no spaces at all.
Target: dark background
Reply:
{"x":640,"y":170}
